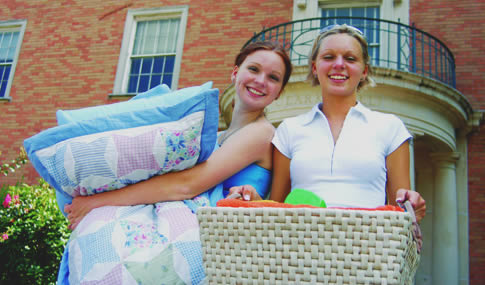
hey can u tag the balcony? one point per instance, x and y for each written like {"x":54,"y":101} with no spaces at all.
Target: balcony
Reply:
{"x":391,"y":45}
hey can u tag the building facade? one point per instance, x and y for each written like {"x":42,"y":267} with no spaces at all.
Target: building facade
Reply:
{"x":428,"y":58}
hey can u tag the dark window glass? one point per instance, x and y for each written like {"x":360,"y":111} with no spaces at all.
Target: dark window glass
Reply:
{"x":143,"y":85}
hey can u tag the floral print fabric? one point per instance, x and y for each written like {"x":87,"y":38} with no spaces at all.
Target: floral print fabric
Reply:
{"x":146,"y":244}
{"x":110,"y":160}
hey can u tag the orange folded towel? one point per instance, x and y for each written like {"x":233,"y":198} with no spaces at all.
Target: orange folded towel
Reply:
{"x":380,"y":208}
{"x":237,"y":203}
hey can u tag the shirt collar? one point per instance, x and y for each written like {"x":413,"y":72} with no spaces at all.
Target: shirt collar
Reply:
{"x":360,"y":109}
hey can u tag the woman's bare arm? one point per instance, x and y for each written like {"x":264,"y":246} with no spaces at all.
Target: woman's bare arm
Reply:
{"x":281,"y":183}
{"x":244,"y":147}
{"x":397,"y":164}
{"x":398,"y":181}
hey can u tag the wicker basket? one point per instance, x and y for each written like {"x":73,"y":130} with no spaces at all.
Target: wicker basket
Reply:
{"x":298,"y":246}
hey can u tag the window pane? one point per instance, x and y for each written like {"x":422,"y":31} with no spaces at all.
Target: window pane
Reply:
{"x":158,"y":64}
{"x":146,"y":66}
{"x":3,"y":55}
{"x":169,"y":64}
{"x":150,"y":37}
{"x":2,"y":94}
{"x":3,"y":88}
{"x":156,"y":37}
{"x":358,"y":23}
{"x":163,"y":40}
{"x":8,"y":46}
{"x":6,"y":72}
{"x":6,"y":39}
{"x":167,"y":79}
{"x":155,"y":80}
{"x":167,"y":42}
{"x":139,"y":36}
{"x":11,"y":54}
{"x":173,"y":32}
{"x":143,"y":86}
{"x":358,"y":12}
{"x":13,"y":47}
{"x":343,"y":12}
{"x":132,"y":84}
{"x":135,"y":66}
{"x":368,"y":28}
{"x":372,"y":12}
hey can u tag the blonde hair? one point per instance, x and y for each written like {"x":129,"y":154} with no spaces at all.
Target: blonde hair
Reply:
{"x":341,"y":29}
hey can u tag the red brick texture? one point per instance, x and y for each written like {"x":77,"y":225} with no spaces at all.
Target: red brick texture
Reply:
{"x":476,"y":206}
{"x":461,"y":26}
{"x":70,"y":52}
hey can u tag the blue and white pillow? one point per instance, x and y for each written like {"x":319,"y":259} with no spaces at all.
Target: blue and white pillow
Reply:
{"x":107,"y":147}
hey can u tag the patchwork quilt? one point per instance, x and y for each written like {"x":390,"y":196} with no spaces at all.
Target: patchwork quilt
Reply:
{"x":146,"y":244}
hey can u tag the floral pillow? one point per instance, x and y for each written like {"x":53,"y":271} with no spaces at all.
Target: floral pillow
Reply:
{"x":107,"y":147}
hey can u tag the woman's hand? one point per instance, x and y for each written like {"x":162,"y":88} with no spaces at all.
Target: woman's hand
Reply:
{"x":246,"y":192}
{"x":418,"y":203}
{"x":79,"y":208}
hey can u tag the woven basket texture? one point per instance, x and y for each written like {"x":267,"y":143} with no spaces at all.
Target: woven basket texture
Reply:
{"x":307,"y":246}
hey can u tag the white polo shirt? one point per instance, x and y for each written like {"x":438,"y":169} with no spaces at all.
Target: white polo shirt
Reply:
{"x":350,"y":173}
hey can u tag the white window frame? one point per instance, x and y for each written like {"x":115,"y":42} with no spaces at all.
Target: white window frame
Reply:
{"x":132,"y":17}
{"x":13,"y":26}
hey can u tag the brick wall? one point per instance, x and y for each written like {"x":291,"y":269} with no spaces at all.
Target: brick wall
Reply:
{"x":70,"y":51}
{"x":461,"y":26}
{"x":476,"y":206}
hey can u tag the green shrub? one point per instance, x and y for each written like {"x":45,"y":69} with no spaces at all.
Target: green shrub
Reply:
{"x":33,"y":233}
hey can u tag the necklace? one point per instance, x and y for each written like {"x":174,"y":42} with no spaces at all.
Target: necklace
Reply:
{"x":227,"y":134}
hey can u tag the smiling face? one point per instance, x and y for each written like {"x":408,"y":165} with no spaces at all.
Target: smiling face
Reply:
{"x":259,"y":79}
{"x":339,"y":65}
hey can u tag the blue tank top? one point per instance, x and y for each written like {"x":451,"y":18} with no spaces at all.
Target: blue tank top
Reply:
{"x":253,"y":174}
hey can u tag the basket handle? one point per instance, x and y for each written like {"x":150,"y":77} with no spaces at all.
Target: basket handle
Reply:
{"x":417,"y":236}
{"x":234,"y":196}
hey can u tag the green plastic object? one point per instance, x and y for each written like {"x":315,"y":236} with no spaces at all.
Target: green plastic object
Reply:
{"x":304,"y":197}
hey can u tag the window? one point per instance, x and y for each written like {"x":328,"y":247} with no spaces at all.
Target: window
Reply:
{"x":11,"y":35}
{"x":151,"y":50}
{"x":369,"y":28}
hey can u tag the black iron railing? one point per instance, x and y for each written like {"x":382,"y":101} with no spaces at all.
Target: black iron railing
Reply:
{"x":391,"y":45}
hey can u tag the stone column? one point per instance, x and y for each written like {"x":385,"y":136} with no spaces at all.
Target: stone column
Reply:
{"x":412,"y":171}
{"x":462,"y":204}
{"x":445,"y":220}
